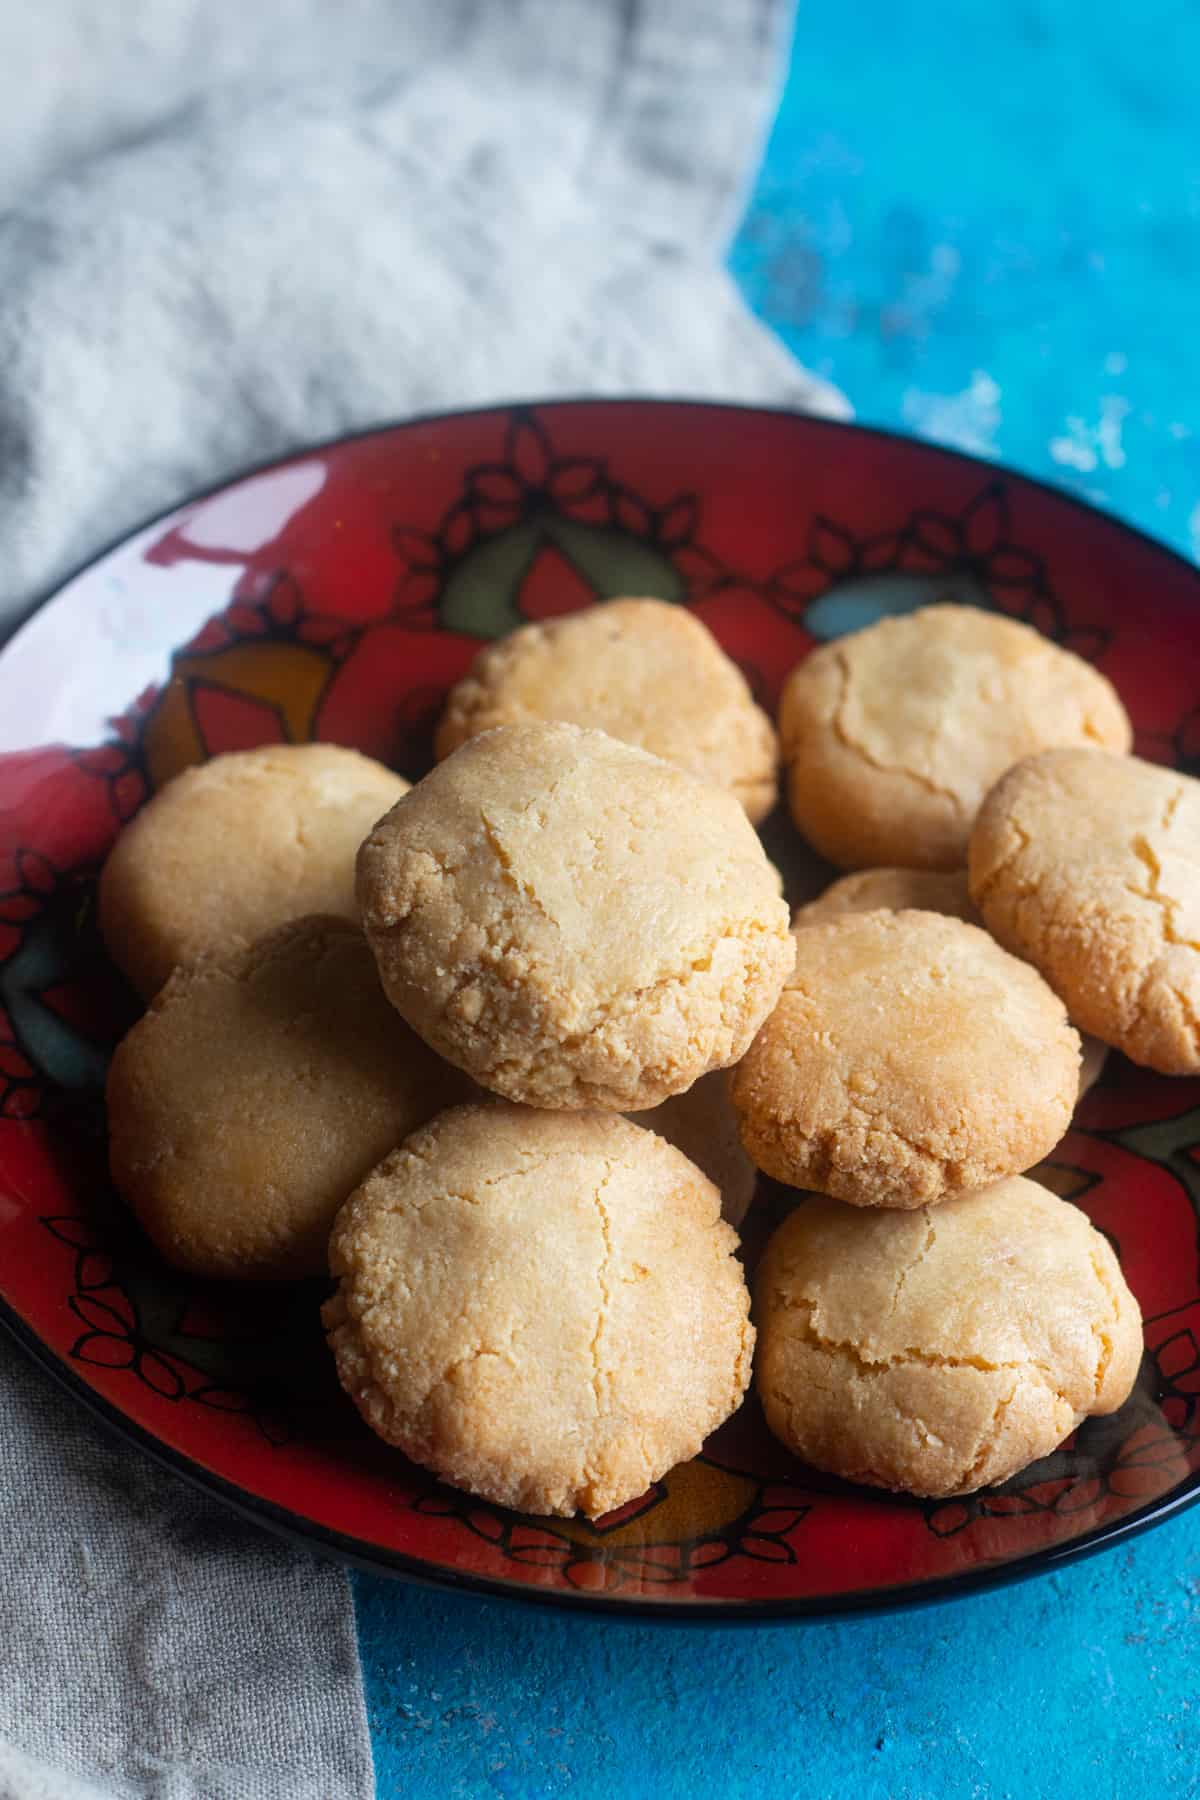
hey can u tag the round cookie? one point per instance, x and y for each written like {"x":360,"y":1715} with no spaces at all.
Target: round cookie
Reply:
{"x":258,"y":1089}
{"x":703,"y":1124}
{"x":893,"y":735}
{"x":929,"y":890}
{"x":937,"y":1352}
{"x":543,"y":1308}
{"x":235,"y":846}
{"x":573,"y":921}
{"x":892,"y":890}
{"x":645,"y":671}
{"x":1089,"y":865}
{"x":909,"y":1058}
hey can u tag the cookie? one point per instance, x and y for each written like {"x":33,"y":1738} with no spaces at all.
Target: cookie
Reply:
{"x":893,"y":735}
{"x":893,"y":890}
{"x":929,"y":890}
{"x":647,"y":672}
{"x":1089,"y":865}
{"x":703,"y":1124}
{"x":909,"y":1058}
{"x":258,"y":1089}
{"x":936,"y":1352}
{"x":572,"y":921}
{"x":236,"y":846}
{"x":543,"y":1308}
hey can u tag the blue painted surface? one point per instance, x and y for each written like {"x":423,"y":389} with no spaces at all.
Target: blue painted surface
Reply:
{"x":984,"y":222}
{"x":1084,"y":1683}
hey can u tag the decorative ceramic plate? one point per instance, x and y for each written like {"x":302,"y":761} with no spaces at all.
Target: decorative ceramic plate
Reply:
{"x":336,"y":596}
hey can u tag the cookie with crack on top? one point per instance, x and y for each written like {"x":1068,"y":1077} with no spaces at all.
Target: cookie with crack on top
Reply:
{"x":647,"y":672}
{"x":927,"y":890}
{"x":910,"y":1058}
{"x":254,"y":1094}
{"x":573,"y":921}
{"x":893,"y":735}
{"x":1089,"y":865}
{"x":940,"y":1351}
{"x":235,"y":846}
{"x":543,"y":1308}
{"x":703,"y":1124}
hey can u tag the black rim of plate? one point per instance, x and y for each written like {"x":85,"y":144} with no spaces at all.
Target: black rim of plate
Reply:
{"x":377,"y":1559}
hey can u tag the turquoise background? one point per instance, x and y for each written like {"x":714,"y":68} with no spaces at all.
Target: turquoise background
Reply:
{"x":984,"y":223}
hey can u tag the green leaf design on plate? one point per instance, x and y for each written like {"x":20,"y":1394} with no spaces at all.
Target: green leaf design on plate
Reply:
{"x":481,"y":596}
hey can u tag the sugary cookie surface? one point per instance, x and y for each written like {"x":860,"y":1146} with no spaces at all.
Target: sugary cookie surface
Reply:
{"x":1089,"y":865}
{"x":234,"y":847}
{"x":892,"y":890}
{"x":939,"y":1351}
{"x":909,"y":1058}
{"x":928,"y":890}
{"x":544,"y":1308}
{"x":573,"y":921}
{"x":257,"y":1090}
{"x":893,"y":735}
{"x":647,"y":672}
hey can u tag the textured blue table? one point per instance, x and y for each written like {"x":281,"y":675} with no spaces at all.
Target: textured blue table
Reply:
{"x":985,"y":224}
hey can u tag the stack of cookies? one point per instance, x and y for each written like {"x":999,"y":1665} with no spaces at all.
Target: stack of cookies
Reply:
{"x":463,"y":1046}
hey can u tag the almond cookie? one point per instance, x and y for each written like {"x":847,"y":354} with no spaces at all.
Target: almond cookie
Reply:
{"x":236,"y":846}
{"x":929,"y":890}
{"x":892,"y":890}
{"x":1089,"y":865}
{"x":645,"y":671}
{"x":543,"y":1308}
{"x":909,"y":1058}
{"x":258,"y":1089}
{"x":937,"y":1352}
{"x":703,"y":1124}
{"x":893,"y":735}
{"x":572,"y":921}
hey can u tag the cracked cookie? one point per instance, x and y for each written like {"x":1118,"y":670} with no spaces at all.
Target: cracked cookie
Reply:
{"x":257,"y":1090}
{"x":573,"y":921}
{"x":645,"y":671}
{"x":939,"y":1351}
{"x":909,"y":1058}
{"x":928,"y":890}
{"x":236,"y":846}
{"x":893,"y":735}
{"x":703,"y":1124}
{"x":543,"y":1308}
{"x":1089,"y":865}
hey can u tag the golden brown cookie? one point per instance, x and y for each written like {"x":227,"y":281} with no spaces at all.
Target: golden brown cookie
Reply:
{"x":703,"y":1124}
{"x":937,"y":1352}
{"x":1089,"y":865}
{"x":258,"y":1089}
{"x":646,"y":672}
{"x":573,"y":921}
{"x":893,"y":735}
{"x":543,"y":1308}
{"x":909,"y":1058}
{"x":236,"y":846}
{"x":892,"y":890}
{"x":929,"y":890}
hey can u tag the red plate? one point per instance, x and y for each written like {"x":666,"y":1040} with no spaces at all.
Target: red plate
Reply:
{"x":336,"y":596}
